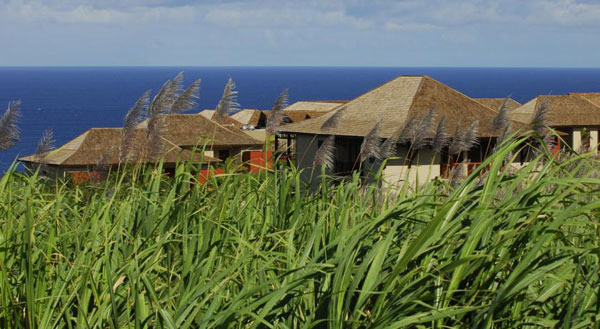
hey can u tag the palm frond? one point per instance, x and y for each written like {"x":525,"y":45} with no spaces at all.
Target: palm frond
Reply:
{"x":371,"y":145}
{"x":334,"y":120}
{"x":45,"y":144}
{"x":187,"y":100}
{"x":441,"y":138}
{"x":9,"y":131}
{"x":228,"y":103}
{"x":326,"y":153}
{"x":276,"y":117}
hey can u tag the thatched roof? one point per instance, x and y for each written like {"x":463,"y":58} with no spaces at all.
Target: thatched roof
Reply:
{"x":95,"y":144}
{"x":563,"y":110}
{"x":495,"y":103}
{"x":195,"y":129}
{"x":249,"y":117}
{"x":301,"y":115}
{"x":315,"y":106}
{"x":397,"y":100}
{"x":592,"y":97}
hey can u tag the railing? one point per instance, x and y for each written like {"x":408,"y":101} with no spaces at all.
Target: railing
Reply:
{"x":446,"y":168}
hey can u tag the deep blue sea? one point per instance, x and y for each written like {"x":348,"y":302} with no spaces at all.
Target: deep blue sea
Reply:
{"x":71,"y":100}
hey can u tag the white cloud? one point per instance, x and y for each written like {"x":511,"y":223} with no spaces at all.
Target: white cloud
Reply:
{"x":410,"y":27}
{"x":36,"y":11}
{"x":565,"y":12}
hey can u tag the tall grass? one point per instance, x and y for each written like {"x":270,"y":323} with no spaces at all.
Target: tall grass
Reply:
{"x":502,"y":249}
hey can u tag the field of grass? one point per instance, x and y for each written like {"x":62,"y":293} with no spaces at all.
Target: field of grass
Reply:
{"x":500,"y":250}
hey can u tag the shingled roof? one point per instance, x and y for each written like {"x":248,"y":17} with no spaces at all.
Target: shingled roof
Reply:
{"x":249,"y":117}
{"x":103,"y":143}
{"x":592,"y":97}
{"x":495,"y":103}
{"x":195,"y":129}
{"x":315,"y":106}
{"x":394,"y":102}
{"x":563,"y":110}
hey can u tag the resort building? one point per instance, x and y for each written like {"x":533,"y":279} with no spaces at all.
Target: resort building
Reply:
{"x":575,"y":116}
{"x":82,"y":158}
{"x":184,"y":137}
{"x":392,"y":106}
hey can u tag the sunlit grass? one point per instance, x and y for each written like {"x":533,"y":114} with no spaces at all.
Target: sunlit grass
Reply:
{"x":511,"y":249}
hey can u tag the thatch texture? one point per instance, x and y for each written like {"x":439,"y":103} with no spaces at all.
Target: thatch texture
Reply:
{"x":249,"y":117}
{"x":563,"y":110}
{"x":398,"y":100}
{"x":592,"y":97}
{"x":95,"y":144}
{"x":495,"y":103}
{"x":315,"y":106}
{"x":193,"y":129}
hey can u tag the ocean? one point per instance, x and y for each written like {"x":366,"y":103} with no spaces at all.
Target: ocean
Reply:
{"x":71,"y":100}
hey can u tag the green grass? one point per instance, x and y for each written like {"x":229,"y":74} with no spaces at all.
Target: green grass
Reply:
{"x":514,"y":249}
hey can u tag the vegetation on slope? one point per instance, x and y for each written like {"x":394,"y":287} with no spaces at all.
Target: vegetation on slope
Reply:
{"x":500,"y":249}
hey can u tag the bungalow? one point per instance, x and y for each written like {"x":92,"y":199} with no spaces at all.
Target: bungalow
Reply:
{"x":182,"y":134}
{"x":392,"y":106}
{"x":575,"y":116}
{"x":193,"y":130}
{"x":81,"y":157}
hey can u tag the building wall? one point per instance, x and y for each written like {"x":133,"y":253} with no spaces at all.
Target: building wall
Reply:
{"x":306,"y":149}
{"x":425,"y":166}
{"x":577,"y":138}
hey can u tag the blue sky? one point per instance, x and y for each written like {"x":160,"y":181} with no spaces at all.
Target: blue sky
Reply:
{"x":496,"y":33}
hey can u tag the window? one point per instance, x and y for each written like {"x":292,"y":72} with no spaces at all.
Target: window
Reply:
{"x":223,"y":155}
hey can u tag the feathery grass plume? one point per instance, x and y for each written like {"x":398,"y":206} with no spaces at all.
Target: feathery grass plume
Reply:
{"x":160,"y":102}
{"x":456,"y":144}
{"x":132,"y":119}
{"x":464,"y":142}
{"x":187,"y":100}
{"x":9,"y":131}
{"x":325,"y":154}
{"x":540,"y":117}
{"x":334,"y":120}
{"x":421,"y":131}
{"x":458,"y":173}
{"x":371,"y":144}
{"x":399,"y":136}
{"x":228,"y":103}
{"x":470,"y":138}
{"x":45,"y":144}
{"x":441,"y":138}
{"x":275,"y":118}
{"x":500,"y":121}
{"x":156,"y":129}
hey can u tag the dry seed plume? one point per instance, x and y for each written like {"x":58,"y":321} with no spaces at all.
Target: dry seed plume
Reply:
{"x":334,"y":120}
{"x":501,"y":119}
{"x":458,"y":173}
{"x":421,"y":131}
{"x":540,"y":117}
{"x":470,"y":138}
{"x":371,"y":145}
{"x":441,"y":138}
{"x":325,"y":153}
{"x":464,"y":142}
{"x":132,"y":119}
{"x":187,"y":100}
{"x":45,"y":144}
{"x":9,"y":131}
{"x":276,"y":117}
{"x":228,"y":103}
